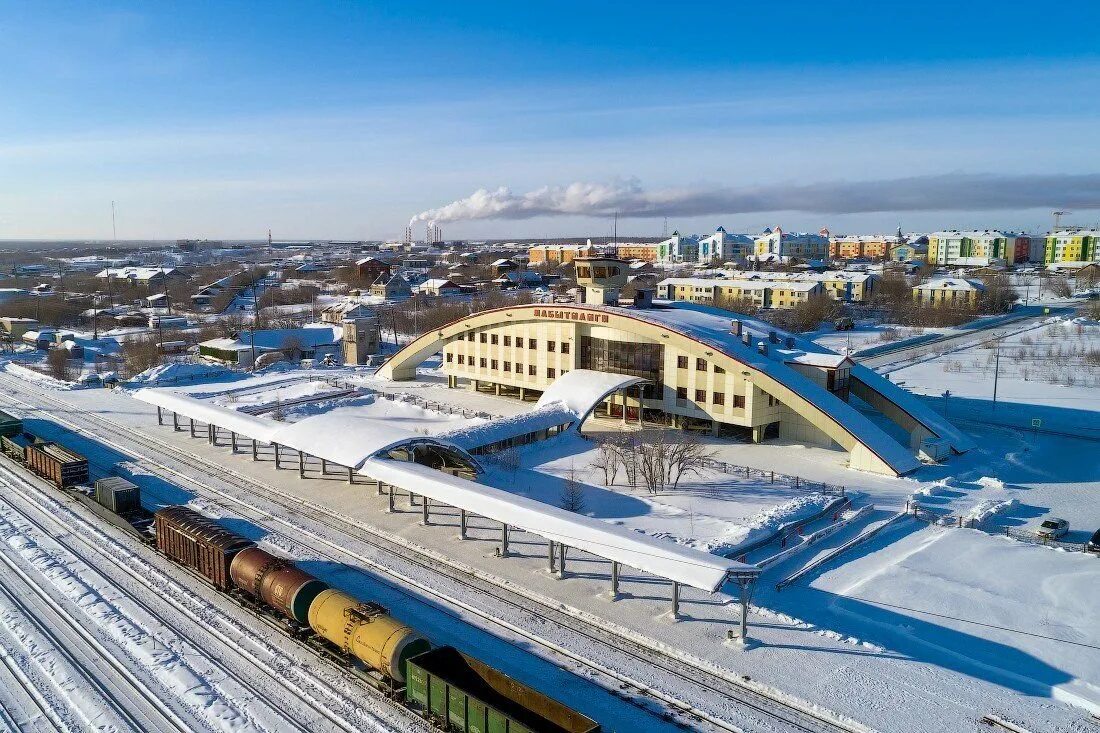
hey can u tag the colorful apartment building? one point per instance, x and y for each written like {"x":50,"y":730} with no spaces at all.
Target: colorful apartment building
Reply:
{"x":637,"y":251}
{"x":977,"y":248}
{"x":723,"y":247}
{"x":725,"y":293}
{"x":557,"y":254}
{"x":949,"y":292}
{"x":1072,"y":245}
{"x":844,"y":285}
{"x":801,"y":245}
{"x":861,"y":246}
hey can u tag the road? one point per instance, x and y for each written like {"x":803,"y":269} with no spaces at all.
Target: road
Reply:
{"x":906,"y":355}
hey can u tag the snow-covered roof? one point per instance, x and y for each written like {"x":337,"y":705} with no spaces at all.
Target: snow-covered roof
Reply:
{"x":500,"y":429}
{"x":344,"y":438}
{"x":660,"y":557}
{"x":135,"y":273}
{"x":436,"y":283}
{"x":952,"y":283}
{"x":828,"y":361}
{"x":580,"y":390}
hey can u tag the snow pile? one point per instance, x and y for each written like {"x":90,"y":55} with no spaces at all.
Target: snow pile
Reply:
{"x":987,"y":508}
{"x":174,"y":373}
{"x":990,"y":483}
{"x":29,"y":374}
{"x":934,"y":489}
{"x":764,"y":523}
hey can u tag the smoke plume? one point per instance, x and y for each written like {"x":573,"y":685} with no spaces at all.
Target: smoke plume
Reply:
{"x":950,"y":192}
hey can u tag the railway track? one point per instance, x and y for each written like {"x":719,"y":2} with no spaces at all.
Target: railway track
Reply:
{"x":628,"y":653}
{"x":61,"y":628}
{"x":280,"y":672}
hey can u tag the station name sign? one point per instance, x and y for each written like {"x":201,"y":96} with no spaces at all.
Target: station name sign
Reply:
{"x":571,"y":315}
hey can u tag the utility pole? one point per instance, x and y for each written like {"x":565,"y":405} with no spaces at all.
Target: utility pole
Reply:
{"x":996,"y":372}
{"x":252,"y":326}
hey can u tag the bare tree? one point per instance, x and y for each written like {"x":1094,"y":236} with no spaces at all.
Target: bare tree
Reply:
{"x":687,"y":456}
{"x":572,"y":493}
{"x":607,"y":460}
{"x":1060,"y":286}
{"x":58,"y":364}
{"x":140,"y":354}
{"x":653,"y":462}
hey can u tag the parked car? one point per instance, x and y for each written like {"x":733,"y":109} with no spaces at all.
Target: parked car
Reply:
{"x":1053,"y":528}
{"x":1093,"y":545}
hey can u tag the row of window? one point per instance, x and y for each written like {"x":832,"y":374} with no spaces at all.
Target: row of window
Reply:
{"x":485,"y":363}
{"x":493,"y":338}
{"x":717,"y":398}
{"x":700,"y":365}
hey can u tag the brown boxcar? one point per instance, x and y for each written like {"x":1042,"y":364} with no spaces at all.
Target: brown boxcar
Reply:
{"x":15,"y":446}
{"x":198,"y":543}
{"x":57,"y":463}
{"x":277,"y":582}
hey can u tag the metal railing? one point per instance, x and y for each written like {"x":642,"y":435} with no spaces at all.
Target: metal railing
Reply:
{"x":797,"y":481}
{"x":1023,"y":535}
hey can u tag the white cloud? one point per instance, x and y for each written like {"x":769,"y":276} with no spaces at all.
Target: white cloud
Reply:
{"x":951,"y":192}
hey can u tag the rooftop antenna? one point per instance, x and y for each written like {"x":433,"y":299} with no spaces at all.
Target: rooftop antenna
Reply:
{"x":664,"y":234}
{"x":615,"y":229}
{"x":1058,"y":218}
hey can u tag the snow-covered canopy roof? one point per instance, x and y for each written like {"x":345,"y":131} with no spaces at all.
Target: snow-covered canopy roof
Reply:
{"x":580,"y":390}
{"x":344,"y":438}
{"x":660,"y":557}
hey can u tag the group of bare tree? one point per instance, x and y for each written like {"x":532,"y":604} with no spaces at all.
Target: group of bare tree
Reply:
{"x":658,"y":461}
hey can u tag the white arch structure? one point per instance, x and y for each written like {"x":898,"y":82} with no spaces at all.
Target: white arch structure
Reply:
{"x":697,"y":330}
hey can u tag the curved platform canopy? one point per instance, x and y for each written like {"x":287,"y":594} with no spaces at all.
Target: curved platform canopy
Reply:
{"x":343,"y":438}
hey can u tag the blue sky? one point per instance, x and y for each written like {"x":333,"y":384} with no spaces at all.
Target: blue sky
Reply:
{"x":345,"y":119}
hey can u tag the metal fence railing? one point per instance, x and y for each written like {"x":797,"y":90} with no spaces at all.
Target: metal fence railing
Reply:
{"x":1023,"y":535}
{"x":797,"y":481}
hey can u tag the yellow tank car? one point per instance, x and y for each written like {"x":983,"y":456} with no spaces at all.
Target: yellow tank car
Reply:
{"x":367,"y":632}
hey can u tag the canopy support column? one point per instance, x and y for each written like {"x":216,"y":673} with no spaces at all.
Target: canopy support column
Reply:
{"x":675,"y":600}
{"x":210,"y":435}
{"x":233,"y":440}
{"x":255,"y":451}
{"x":561,"y":559}
{"x":462,"y":519}
{"x":550,"y":554}
{"x":324,"y":467}
{"x":614,"y":578}
{"x":301,"y":464}
{"x":380,"y":485}
{"x":175,"y":422}
{"x":504,"y":540}
{"x":192,"y":427}
{"x":276,"y":446}
{"x":351,"y":475}
{"x":160,"y":417}
{"x":390,"y":508}
{"x":746,"y":584}
{"x":425,"y":518}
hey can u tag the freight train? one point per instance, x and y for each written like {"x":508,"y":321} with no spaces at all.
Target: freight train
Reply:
{"x":457,"y":691}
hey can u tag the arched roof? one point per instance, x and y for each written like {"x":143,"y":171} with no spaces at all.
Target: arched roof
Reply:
{"x":689,"y":328}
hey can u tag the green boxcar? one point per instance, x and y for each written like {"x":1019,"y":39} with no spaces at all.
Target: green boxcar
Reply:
{"x":10,"y":425}
{"x":475,"y":698}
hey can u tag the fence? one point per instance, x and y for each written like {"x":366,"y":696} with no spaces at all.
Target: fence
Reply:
{"x":1023,"y":535}
{"x":797,"y":481}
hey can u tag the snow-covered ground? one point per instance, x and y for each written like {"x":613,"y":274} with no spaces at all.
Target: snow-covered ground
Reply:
{"x":922,"y":628}
{"x":1050,"y":372}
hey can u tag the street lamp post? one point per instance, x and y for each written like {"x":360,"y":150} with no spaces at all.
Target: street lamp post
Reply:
{"x":946,"y":397}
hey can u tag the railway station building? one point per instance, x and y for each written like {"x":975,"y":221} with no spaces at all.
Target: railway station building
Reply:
{"x":697,"y":368}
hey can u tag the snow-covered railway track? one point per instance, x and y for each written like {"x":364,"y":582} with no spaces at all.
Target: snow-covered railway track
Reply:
{"x":127,"y":702}
{"x":714,"y":696}
{"x":245,"y":664}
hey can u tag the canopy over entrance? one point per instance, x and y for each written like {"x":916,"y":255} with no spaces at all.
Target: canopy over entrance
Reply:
{"x":581,"y":390}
